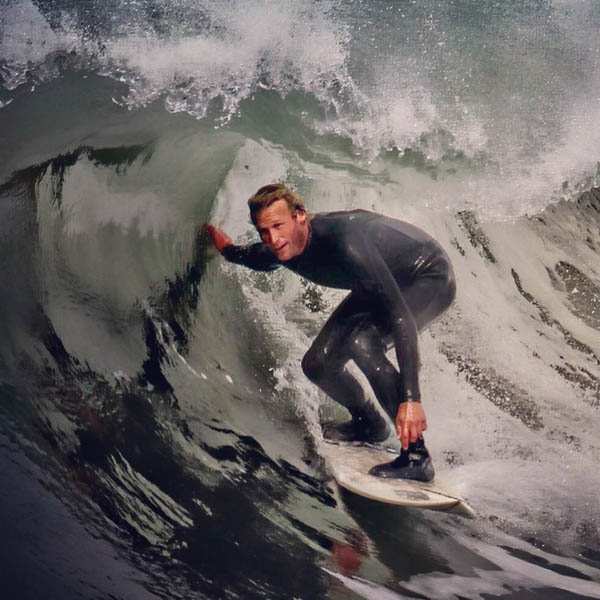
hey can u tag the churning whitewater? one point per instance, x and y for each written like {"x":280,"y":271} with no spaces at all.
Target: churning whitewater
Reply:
{"x":158,"y":438}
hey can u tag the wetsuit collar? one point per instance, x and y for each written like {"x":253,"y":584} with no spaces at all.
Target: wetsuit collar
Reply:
{"x":309,"y":236}
{"x":298,"y":257}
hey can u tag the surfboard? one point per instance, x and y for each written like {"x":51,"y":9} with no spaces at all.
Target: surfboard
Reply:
{"x":349,"y":465}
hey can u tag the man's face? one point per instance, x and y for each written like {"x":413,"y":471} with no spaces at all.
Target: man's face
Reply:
{"x":284,"y":232}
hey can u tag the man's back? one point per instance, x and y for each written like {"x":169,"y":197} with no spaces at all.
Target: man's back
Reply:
{"x":340,"y":240}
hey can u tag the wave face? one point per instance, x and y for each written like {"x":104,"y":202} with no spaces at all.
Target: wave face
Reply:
{"x":157,"y":435}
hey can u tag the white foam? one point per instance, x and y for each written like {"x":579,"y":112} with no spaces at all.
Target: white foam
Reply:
{"x":282,"y":46}
{"x":26,"y":39}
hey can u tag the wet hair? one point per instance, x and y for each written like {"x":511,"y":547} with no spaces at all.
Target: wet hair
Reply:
{"x":268,"y":194}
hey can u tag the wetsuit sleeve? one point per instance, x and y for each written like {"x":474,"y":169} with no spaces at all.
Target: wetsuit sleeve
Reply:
{"x":255,"y":256}
{"x":376,"y":279}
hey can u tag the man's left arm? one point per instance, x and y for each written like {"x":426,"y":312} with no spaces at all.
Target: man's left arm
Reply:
{"x":377,"y":279}
{"x":254,"y":256}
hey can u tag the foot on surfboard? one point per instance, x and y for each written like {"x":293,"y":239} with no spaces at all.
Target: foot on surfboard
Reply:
{"x":359,"y":429}
{"x":414,"y":463}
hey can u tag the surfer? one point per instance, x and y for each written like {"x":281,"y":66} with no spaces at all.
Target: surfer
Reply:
{"x":400,"y":280}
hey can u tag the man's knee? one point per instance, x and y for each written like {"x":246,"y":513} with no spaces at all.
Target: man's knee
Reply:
{"x":318,"y":364}
{"x":313,"y":365}
{"x":367,"y":346}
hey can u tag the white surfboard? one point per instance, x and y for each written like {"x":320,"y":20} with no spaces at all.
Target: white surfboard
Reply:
{"x":350,"y":465}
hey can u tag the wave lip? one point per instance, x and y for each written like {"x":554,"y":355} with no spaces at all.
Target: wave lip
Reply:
{"x":384,"y":75}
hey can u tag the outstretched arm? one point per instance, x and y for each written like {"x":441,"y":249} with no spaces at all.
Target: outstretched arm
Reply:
{"x":254,"y":256}
{"x":219,"y":238}
{"x":376,"y":279}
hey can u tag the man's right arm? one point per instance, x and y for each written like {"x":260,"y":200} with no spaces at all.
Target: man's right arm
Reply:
{"x":254,"y":256}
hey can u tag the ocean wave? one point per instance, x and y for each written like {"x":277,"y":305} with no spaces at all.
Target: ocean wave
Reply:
{"x":159,"y":389}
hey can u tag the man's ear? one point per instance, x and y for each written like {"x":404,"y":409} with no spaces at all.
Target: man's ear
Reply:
{"x":300,"y":216}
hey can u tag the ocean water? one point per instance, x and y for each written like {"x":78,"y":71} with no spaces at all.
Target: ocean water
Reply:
{"x":157,"y":436}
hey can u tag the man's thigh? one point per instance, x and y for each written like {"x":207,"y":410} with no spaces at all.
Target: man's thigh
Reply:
{"x":426,"y":299}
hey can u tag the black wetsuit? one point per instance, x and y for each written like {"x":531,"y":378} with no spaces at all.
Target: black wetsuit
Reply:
{"x":400,"y":278}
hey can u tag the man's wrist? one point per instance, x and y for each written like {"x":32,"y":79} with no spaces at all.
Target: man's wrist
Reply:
{"x":223,"y":249}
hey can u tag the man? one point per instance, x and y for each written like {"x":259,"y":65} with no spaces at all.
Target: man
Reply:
{"x":400,"y":280}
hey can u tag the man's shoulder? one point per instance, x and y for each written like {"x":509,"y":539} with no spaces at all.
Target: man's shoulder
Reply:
{"x":339,"y":214}
{"x":340,"y":218}
{"x":347,"y":223}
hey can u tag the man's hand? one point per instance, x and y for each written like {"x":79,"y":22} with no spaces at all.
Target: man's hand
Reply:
{"x":410,"y":423}
{"x":219,"y":238}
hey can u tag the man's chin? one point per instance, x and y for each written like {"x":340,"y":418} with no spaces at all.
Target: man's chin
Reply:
{"x":283,"y":255}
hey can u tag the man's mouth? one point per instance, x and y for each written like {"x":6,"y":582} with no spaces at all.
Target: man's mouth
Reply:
{"x":280,"y":248}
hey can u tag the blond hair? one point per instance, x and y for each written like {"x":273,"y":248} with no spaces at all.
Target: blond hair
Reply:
{"x":268,"y":194}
